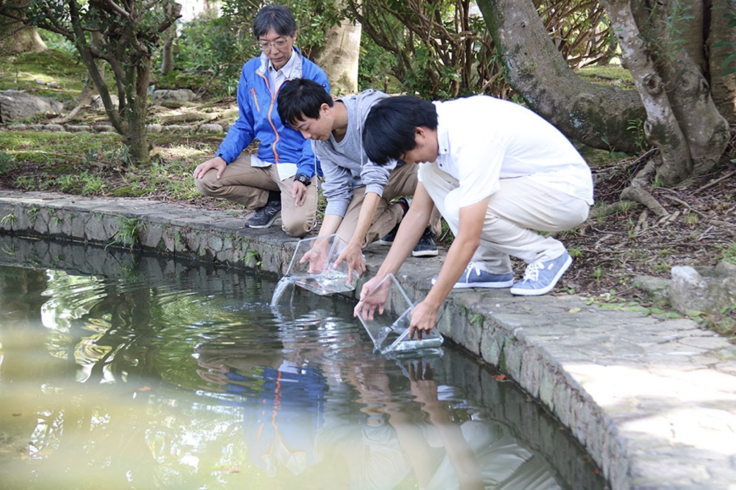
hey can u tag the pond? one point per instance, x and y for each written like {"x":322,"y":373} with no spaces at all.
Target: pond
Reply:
{"x":121,"y":370}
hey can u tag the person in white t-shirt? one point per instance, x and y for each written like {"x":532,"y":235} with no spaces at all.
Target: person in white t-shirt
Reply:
{"x":499,"y":174}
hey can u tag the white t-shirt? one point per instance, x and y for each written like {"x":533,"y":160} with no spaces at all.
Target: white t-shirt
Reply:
{"x":483,"y":139}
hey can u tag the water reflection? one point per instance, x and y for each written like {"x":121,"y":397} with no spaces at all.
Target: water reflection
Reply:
{"x":185,"y":377}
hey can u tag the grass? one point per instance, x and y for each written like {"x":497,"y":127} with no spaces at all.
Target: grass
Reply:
{"x":65,"y":73}
{"x":97,"y":164}
{"x":611,"y":74}
{"x":728,"y":254}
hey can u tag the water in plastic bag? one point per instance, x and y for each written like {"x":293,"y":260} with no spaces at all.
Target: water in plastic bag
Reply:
{"x":389,"y":331}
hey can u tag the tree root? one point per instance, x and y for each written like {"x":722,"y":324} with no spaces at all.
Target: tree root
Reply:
{"x":83,"y":101}
{"x":637,"y":190}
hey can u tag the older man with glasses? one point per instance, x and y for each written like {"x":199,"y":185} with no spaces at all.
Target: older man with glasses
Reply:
{"x":276,"y":181}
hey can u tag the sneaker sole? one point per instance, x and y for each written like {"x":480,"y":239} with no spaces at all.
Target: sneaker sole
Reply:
{"x":486,"y":285}
{"x":539,"y":292}
{"x":382,"y":242}
{"x":425,"y":253}
{"x":267,"y":225}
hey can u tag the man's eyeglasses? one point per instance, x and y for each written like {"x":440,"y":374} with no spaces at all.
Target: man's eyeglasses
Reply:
{"x":278,"y":44}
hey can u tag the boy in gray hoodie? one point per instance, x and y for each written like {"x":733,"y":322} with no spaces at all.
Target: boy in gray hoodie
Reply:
{"x":359,"y":193}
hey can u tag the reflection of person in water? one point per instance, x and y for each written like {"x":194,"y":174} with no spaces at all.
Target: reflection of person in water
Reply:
{"x":444,"y":454}
{"x":283,"y":403}
{"x":477,"y":454}
{"x":292,"y":433}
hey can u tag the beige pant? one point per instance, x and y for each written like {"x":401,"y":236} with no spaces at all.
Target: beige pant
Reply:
{"x":249,"y":186}
{"x":401,"y":182}
{"x":518,"y":208}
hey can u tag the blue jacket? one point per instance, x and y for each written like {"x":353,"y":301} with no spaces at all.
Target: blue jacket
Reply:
{"x":259,"y":118}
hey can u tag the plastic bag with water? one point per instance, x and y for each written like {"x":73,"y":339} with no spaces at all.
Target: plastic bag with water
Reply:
{"x":389,"y":331}
{"x":319,"y":274}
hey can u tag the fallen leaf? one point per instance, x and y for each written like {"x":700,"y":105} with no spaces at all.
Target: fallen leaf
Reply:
{"x":499,"y":377}
{"x":574,"y":310}
{"x":144,"y":388}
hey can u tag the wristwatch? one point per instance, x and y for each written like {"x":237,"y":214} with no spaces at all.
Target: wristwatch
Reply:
{"x":303,"y":179}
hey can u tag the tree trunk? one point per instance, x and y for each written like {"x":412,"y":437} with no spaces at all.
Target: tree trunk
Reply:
{"x":661,"y":126}
{"x":16,"y":38}
{"x":684,"y":87}
{"x":167,"y":52}
{"x":135,"y":113}
{"x":706,"y":131}
{"x":592,"y":114}
{"x":340,"y":54}
{"x":721,"y":42}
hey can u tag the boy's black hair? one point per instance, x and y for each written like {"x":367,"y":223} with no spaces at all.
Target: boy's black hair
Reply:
{"x":389,"y":129}
{"x":276,"y":17}
{"x":300,"y":98}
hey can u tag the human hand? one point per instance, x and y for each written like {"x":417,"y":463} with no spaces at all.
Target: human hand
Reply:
{"x":372,"y":297}
{"x":216,"y":163}
{"x":353,"y":255}
{"x":423,"y":319}
{"x":317,"y":256}
{"x":298,"y":192}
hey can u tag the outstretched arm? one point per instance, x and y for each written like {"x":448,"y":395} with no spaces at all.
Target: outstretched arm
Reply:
{"x":424,"y":315}
{"x":410,"y":230}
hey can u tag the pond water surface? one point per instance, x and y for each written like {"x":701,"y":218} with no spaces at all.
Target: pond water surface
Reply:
{"x":128,"y":371}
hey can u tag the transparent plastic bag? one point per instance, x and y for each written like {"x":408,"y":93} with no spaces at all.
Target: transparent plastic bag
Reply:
{"x":390,"y":332}
{"x":319,"y":274}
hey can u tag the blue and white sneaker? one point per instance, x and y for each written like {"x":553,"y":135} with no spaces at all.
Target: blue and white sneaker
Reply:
{"x":541,"y":277}
{"x":475,"y":277}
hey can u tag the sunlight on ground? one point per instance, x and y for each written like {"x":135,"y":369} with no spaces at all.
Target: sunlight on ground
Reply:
{"x":665,"y":401}
{"x":182,"y":152}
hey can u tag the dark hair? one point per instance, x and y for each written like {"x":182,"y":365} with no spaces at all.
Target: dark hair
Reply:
{"x":389,"y":129}
{"x":300,"y":98}
{"x":276,"y":17}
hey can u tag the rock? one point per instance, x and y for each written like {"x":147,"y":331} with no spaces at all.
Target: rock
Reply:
{"x":96,"y":103}
{"x":210,"y":128}
{"x":177,"y":128}
{"x":154,"y":128}
{"x":53,"y":128}
{"x":103,"y":128}
{"x":15,"y":106}
{"x":703,"y":289}
{"x":77,"y":129}
{"x":656,"y":286}
{"x":181,"y":95}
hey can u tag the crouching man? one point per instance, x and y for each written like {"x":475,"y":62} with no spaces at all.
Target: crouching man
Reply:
{"x":359,"y":193}
{"x":500,"y":174}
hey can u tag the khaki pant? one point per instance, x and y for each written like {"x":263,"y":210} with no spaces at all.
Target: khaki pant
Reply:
{"x":519,"y":207}
{"x":401,"y":182}
{"x":249,"y":186}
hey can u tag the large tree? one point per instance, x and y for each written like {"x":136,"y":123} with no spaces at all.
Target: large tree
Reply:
{"x":675,"y":51}
{"x":126,"y":33}
{"x":15,"y":37}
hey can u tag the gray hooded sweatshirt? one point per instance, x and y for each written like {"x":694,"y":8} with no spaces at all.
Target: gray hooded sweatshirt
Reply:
{"x":345,"y":164}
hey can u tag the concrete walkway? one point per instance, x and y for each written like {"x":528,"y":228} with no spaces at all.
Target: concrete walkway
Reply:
{"x":652,"y":401}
